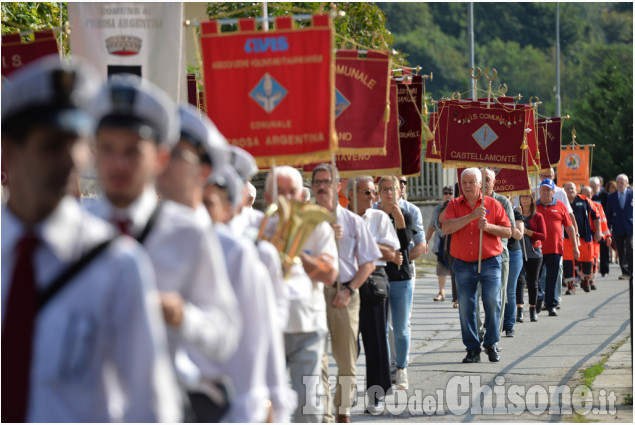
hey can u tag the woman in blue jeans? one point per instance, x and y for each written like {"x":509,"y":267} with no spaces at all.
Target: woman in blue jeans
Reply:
{"x":515,"y":266}
{"x":400,"y":275}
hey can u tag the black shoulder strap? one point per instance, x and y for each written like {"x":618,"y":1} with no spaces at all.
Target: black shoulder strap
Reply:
{"x":150,"y":224}
{"x":67,"y":274}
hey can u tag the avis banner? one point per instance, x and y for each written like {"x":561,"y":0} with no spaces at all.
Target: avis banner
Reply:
{"x":474,"y":135}
{"x":16,"y":53}
{"x":575,"y":166}
{"x":272,"y":93}
{"x":549,"y":139}
{"x":409,"y":99}
{"x":137,"y":38}
{"x":364,"y":164}
{"x":361,"y":101}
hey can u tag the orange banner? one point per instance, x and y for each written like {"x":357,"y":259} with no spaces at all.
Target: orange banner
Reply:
{"x":575,"y":165}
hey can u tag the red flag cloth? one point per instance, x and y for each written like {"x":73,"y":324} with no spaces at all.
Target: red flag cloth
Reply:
{"x":433,"y":147}
{"x":475,"y":135}
{"x":272,"y":93}
{"x":192,"y":92}
{"x":409,"y":99}
{"x":575,"y":166}
{"x":533,"y":158}
{"x":361,"y":101}
{"x":362,"y":164}
{"x":16,"y":54}
{"x":549,"y":139}
{"x":18,"y":328}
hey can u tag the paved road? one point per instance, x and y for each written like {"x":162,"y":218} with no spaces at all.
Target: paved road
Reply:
{"x":550,"y":352}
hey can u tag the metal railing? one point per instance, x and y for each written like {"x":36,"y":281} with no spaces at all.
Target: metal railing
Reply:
{"x":428,"y":185}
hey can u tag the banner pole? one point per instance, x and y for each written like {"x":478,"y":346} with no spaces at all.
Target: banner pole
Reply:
{"x":480,"y":242}
{"x":338,"y":283}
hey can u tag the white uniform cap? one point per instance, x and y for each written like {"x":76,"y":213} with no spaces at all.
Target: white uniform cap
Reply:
{"x":49,"y":93}
{"x":201,"y":132}
{"x":252,"y":190}
{"x":227,"y":178}
{"x":243,"y":162}
{"x":127,"y":101}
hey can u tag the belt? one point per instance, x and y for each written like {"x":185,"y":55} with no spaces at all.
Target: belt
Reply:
{"x":379,"y":268}
{"x":476,"y":262}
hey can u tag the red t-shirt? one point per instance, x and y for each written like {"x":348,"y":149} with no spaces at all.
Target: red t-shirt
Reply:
{"x":556,"y":216}
{"x":465,"y":241}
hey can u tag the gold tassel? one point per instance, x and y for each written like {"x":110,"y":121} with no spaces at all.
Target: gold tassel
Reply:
{"x":429,"y":134}
{"x":434,"y":148}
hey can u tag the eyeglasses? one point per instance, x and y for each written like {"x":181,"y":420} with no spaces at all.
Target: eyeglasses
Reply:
{"x":448,"y":193}
{"x":403,"y":182}
{"x":369,"y":192}
{"x":319,"y":182}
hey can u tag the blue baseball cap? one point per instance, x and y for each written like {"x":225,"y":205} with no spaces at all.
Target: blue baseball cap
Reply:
{"x":549,"y":183}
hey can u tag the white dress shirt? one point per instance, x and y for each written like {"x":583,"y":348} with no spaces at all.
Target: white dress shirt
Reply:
{"x":382,"y":230}
{"x":107,"y":315}
{"x":357,"y":245}
{"x":187,"y":259}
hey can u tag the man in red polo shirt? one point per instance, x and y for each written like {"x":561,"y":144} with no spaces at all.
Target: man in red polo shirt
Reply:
{"x":465,"y":217}
{"x":556,"y":217}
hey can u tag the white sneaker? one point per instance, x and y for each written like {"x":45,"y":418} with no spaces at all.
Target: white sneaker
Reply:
{"x":376,"y":409}
{"x":401,"y":379}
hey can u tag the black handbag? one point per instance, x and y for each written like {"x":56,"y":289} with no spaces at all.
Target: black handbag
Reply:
{"x":375,"y":290}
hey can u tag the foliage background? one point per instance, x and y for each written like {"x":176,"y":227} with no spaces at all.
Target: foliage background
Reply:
{"x":518,"y":39}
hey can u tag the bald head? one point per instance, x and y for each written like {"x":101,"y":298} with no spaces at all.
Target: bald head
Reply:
{"x":586,"y":191}
{"x":571,"y":189}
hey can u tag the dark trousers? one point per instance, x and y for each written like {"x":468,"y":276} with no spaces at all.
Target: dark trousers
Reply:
{"x":455,"y":295}
{"x":551,"y":262}
{"x":625,"y":252}
{"x":604,"y":258}
{"x":529,"y":276}
{"x":372,"y":327}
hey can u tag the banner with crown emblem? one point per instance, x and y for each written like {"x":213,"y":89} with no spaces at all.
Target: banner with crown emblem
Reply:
{"x":272,"y":93}
{"x":549,"y":139}
{"x":364,"y":164}
{"x":409,"y":98}
{"x":137,"y":38}
{"x":361,"y":101}
{"x":16,"y":53}
{"x":475,"y":135}
{"x":575,"y":165}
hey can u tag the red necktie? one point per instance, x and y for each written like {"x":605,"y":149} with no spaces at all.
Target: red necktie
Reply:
{"x":17,"y":333}
{"x":124,"y":226}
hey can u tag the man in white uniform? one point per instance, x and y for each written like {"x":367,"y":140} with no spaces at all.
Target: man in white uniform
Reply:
{"x":137,"y":124}
{"x":304,"y":336}
{"x":55,"y":345}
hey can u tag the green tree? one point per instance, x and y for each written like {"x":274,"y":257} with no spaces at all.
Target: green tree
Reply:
{"x":604,"y":117}
{"x":363,"y":23}
{"x":31,"y":16}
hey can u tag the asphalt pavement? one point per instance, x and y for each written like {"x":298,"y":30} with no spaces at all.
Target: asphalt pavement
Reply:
{"x":540,"y":377}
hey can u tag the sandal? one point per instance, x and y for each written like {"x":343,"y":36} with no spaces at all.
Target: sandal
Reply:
{"x":439,"y":297}
{"x":456,"y":304}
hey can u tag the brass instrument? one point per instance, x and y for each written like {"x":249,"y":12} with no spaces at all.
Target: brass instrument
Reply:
{"x":296,"y":222}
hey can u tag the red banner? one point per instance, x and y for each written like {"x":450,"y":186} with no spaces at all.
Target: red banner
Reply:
{"x":549,"y":139}
{"x":361,"y":101}
{"x":508,"y":182}
{"x":409,"y":99}
{"x":475,"y":135}
{"x":576,"y":166}
{"x":363,"y":164}
{"x":433,"y":147}
{"x":16,"y":54}
{"x":272,"y":93}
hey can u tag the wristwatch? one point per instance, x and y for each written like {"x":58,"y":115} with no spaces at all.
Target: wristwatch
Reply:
{"x":351,"y":290}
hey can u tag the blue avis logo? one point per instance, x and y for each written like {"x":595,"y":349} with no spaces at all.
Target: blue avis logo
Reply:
{"x":265,"y":44}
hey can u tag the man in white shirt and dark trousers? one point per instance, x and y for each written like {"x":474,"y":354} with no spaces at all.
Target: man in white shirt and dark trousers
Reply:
{"x":56,"y":344}
{"x":137,"y":124}
{"x":357,"y":252}
{"x":373,"y":313}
